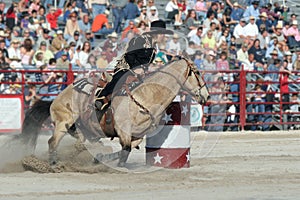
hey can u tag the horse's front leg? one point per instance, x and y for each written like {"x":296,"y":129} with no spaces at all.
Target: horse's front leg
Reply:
{"x":53,"y":142}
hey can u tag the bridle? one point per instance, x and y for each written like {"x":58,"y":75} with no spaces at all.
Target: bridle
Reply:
{"x":190,"y":69}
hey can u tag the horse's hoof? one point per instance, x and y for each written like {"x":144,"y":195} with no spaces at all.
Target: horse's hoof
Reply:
{"x":52,"y":162}
{"x":98,"y":158}
{"x":121,"y":164}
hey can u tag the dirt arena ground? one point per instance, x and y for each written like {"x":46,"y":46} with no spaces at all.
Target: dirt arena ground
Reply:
{"x":223,"y":166}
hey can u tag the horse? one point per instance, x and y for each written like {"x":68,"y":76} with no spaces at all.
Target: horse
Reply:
{"x":135,"y":114}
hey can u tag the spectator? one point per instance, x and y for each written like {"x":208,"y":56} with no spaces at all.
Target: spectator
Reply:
{"x":34,"y":23}
{"x":42,"y":18}
{"x":226,"y":18}
{"x":26,"y":35}
{"x":112,"y":39}
{"x":197,"y":38}
{"x":293,"y":35}
{"x":101,"y":62}
{"x":252,"y":11}
{"x":47,"y":54}
{"x":130,"y":28}
{"x":173,"y":13}
{"x":89,"y":36}
{"x":209,"y":41}
{"x":264,"y":40}
{"x":239,"y":32}
{"x":100,"y":24}
{"x":237,"y":12}
{"x":223,"y":65}
{"x":58,"y":42}
{"x":191,"y":21}
{"x":63,"y":62}
{"x":27,"y":53}
{"x":52,"y":18}
{"x":288,"y":57}
{"x":98,"y":6}
{"x":67,"y":12}
{"x":71,"y":26}
{"x":30,"y":95}
{"x":84,"y":24}
{"x":117,"y":9}
{"x":257,"y":51}
{"x":209,"y":62}
{"x":110,"y":53}
{"x":198,"y":60}
{"x":242,"y":54}
{"x":24,"y":21}
{"x":143,"y":16}
{"x":173,"y":46}
{"x":296,"y":65}
{"x":35,"y":5}
{"x":131,"y":12}
{"x":143,"y":27}
{"x":83,"y":55}
{"x":211,"y":18}
{"x":279,"y":34}
{"x":259,"y":107}
{"x":14,"y":50}
{"x":263,"y":23}
{"x":153,"y":15}
{"x":11,"y":16}
{"x":251,"y":29}
{"x":44,"y":38}
{"x":76,"y":39}
{"x":201,"y":9}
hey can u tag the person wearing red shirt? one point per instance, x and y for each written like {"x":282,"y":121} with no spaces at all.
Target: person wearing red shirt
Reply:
{"x":100,"y":24}
{"x":131,"y":27}
{"x":52,"y":18}
{"x":284,"y":85}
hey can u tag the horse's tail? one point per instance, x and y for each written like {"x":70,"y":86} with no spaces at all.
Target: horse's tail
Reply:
{"x":33,"y":121}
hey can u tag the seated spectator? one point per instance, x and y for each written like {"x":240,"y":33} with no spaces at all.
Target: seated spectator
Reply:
{"x":211,"y":18}
{"x":173,"y":46}
{"x":30,"y":96}
{"x":191,"y":21}
{"x":143,"y":27}
{"x":296,"y":66}
{"x":83,"y":55}
{"x":263,"y":22}
{"x":89,"y":37}
{"x":71,"y":26}
{"x":197,"y":38}
{"x":288,"y":57}
{"x":52,"y":18}
{"x":198,"y":60}
{"x":42,"y":18}
{"x":132,"y":28}
{"x":224,"y":39}
{"x":264,"y":39}
{"x":279,"y":34}
{"x":75,"y":39}
{"x":67,"y":12}
{"x":24,"y":21}
{"x":209,"y":41}
{"x":201,"y":9}
{"x":100,"y":24}
{"x":275,"y":67}
{"x":242,"y":54}
{"x":58,"y":42}
{"x":34,"y":23}
{"x":14,"y":50}
{"x":257,"y":51}
{"x":63,"y":62}
{"x":252,"y":11}
{"x":66,"y":50}
{"x":293,"y":35}
{"x":153,"y":14}
{"x":143,"y":15}
{"x":251,"y":29}
{"x":209,"y":61}
{"x":110,"y":53}
{"x":35,"y":5}
{"x":237,"y":12}
{"x":173,"y":12}
{"x":226,"y":18}
{"x":112,"y":39}
{"x":239,"y":32}
{"x":285,"y":28}
{"x":84,"y":24}
{"x":46,"y":53}
{"x":27,"y":52}
{"x":101,"y":62}
{"x":44,"y":38}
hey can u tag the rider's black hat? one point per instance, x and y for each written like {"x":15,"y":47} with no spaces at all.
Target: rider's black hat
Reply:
{"x":159,"y":27}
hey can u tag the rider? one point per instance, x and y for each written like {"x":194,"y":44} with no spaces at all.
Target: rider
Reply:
{"x":140,"y":51}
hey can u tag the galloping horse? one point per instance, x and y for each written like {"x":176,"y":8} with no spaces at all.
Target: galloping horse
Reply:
{"x":134,"y":114}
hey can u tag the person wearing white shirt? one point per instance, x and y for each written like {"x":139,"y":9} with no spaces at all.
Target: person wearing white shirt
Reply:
{"x":196,"y":38}
{"x":172,"y":12}
{"x":173,"y":46}
{"x":239,"y":32}
{"x":251,"y":29}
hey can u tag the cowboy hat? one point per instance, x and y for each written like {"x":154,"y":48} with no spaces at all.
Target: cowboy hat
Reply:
{"x":212,"y":53}
{"x":294,"y":22}
{"x":274,"y":52}
{"x":3,"y":34}
{"x":263,"y":14}
{"x":159,"y":27}
{"x":113,"y":35}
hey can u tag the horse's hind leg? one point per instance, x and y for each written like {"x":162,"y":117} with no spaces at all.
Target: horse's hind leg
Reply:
{"x":125,"y":141}
{"x":54,"y":141}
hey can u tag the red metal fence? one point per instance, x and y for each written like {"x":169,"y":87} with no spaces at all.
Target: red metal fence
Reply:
{"x":249,"y":113}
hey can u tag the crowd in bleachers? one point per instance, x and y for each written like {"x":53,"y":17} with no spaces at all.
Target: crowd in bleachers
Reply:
{"x":221,"y":35}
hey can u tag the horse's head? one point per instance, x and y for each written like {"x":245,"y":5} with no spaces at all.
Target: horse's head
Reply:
{"x":195,"y":84}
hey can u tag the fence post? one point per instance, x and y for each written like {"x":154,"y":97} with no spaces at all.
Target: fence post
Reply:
{"x":243,"y":82}
{"x":70,"y":75}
